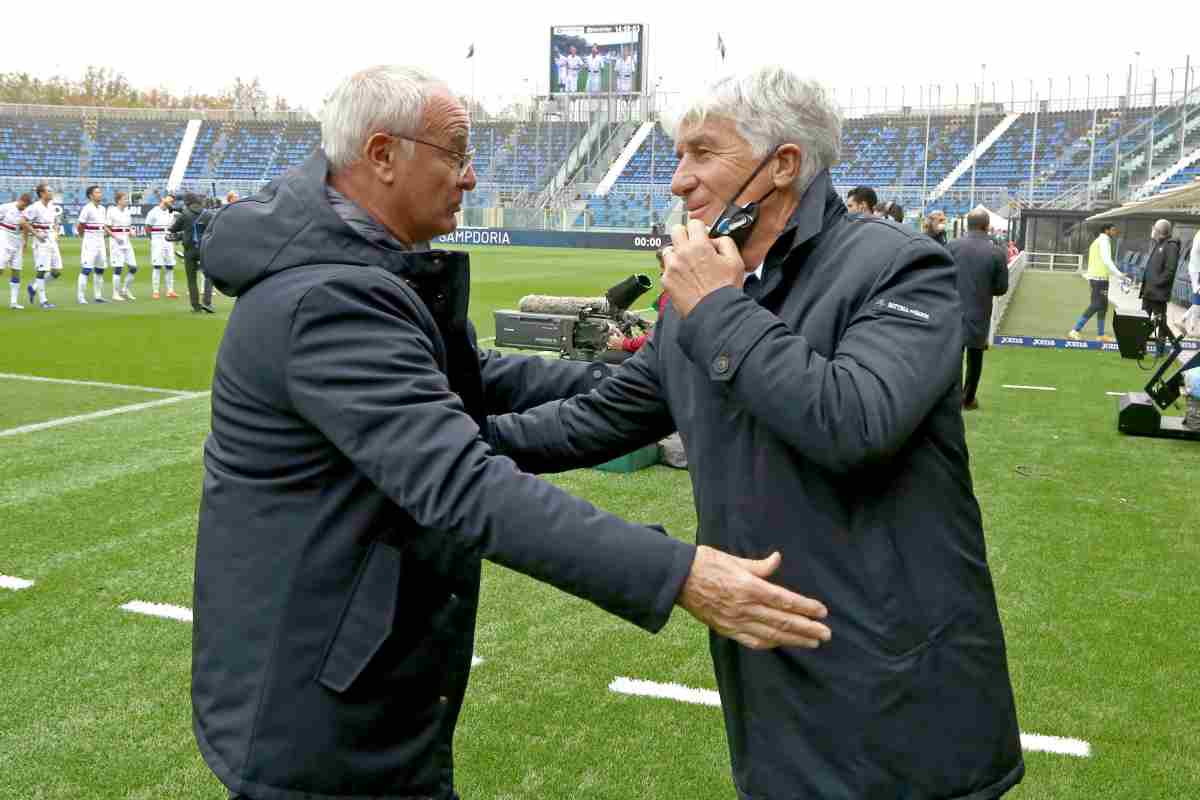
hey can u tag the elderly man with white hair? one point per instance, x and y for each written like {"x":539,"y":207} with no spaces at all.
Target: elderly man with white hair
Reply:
{"x":1159,"y":279}
{"x":349,"y":498}
{"x":810,"y":361}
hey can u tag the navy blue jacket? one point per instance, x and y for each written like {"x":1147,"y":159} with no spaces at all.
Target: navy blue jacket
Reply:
{"x":349,"y":499}
{"x":982,"y":272}
{"x":822,"y":418}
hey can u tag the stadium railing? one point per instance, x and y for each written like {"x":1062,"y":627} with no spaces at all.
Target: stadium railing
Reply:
{"x":1000,"y":305}
{"x":1052,"y":262}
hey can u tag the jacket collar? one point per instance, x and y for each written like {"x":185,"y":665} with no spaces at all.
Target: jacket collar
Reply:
{"x":819,"y":209}
{"x":387,"y":251}
{"x":440,"y":277}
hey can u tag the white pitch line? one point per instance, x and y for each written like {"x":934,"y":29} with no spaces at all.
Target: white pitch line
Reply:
{"x":1116,"y":394}
{"x":487,"y":339}
{"x":1032,"y":388}
{"x":1037,"y":743}
{"x":16,"y":584}
{"x":1034,"y":742}
{"x":98,"y":384}
{"x":666,"y":691}
{"x":159,"y":610}
{"x":108,"y":412}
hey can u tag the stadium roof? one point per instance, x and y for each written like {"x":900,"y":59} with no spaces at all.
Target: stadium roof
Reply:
{"x":1186,"y":199}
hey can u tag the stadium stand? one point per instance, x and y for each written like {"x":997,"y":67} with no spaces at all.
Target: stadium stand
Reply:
{"x":515,"y":160}
{"x":135,"y":149}
{"x":31,"y":146}
{"x":638,"y":195}
{"x":198,"y":164}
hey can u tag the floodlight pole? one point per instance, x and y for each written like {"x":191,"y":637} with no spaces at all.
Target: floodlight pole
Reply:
{"x":1187,"y":75}
{"x":1033,"y":151}
{"x":1150,"y":131}
{"x":1092,"y":155}
{"x":974,"y":151}
{"x":650,"y":194}
{"x":925,"y":174}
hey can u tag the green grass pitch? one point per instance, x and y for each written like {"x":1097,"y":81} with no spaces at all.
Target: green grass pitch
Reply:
{"x":1091,"y":536}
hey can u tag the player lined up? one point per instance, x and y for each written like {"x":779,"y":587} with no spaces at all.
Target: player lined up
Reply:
{"x":40,"y":220}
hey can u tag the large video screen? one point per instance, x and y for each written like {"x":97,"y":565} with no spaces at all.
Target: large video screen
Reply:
{"x":597,"y":59}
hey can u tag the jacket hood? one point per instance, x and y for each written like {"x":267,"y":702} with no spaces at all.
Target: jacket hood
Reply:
{"x":290,"y":223}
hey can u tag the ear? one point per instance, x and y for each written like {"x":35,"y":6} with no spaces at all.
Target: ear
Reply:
{"x":788,"y":159}
{"x":379,"y":155}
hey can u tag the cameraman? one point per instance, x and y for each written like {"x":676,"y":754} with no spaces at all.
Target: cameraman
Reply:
{"x":184,"y":227}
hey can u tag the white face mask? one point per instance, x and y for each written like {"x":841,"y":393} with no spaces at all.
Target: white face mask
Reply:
{"x":941,"y":227}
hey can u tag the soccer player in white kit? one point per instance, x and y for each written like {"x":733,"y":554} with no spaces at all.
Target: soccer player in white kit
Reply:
{"x":574,"y":64}
{"x":595,"y":66}
{"x":14,"y":234}
{"x":120,"y":247}
{"x":560,"y":61}
{"x":43,"y":217}
{"x":93,"y":222}
{"x":162,"y":253}
{"x":625,"y":69}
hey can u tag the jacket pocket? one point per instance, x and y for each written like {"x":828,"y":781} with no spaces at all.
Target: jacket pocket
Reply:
{"x":367,"y":618}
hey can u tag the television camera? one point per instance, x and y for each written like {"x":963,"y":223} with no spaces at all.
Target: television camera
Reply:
{"x":577,"y":328}
{"x":1139,"y":413}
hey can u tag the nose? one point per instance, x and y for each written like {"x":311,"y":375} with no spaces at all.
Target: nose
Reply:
{"x":683,"y":182}
{"x":468,"y":180}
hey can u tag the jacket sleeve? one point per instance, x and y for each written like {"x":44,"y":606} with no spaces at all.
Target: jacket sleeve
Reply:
{"x":179,"y":223}
{"x":515,"y":383}
{"x":858,"y":405}
{"x":363,"y":369}
{"x":1000,"y":275}
{"x":626,"y":411}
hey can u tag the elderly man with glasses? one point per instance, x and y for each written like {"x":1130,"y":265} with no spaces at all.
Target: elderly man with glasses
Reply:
{"x":810,"y":361}
{"x":349,"y":498}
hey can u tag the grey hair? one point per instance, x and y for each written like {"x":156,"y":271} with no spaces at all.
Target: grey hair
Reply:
{"x":772,"y":107}
{"x":382,"y":99}
{"x":1162,"y":228}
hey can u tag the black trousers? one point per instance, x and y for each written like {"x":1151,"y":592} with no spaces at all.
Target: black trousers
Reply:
{"x":974,"y":373}
{"x":191,"y":263}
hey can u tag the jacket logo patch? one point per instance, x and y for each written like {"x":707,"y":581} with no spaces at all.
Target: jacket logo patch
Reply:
{"x":884,"y":304}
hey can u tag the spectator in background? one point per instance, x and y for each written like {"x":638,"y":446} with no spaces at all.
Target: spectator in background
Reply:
{"x":184,"y":227}
{"x":892,"y":211}
{"x":1191,"y":320}
{"x":231,"y":198}
{"x":1160,"y":269}
{"x":631,"y":344}
{"x":982,"y":275}
{"x":861,"y":200}
{"x":1100,"y":268}
{"x":1013,"y":252}
{"x":935,"y":227}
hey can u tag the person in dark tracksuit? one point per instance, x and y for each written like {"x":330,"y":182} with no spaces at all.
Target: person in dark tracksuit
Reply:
{"x":982,"y":275}
{"x":813,"y":374}
{"x":1159,"y":279}
{"x":349,"y":498}
{"x":184,"y":227}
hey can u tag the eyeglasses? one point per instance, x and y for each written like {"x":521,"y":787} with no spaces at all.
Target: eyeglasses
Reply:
{"x":464,"y":159}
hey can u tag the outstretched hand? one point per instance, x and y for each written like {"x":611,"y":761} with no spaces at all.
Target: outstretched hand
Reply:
{"x":732,"y":596}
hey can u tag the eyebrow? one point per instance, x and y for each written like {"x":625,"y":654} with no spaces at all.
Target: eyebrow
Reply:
{"x":697,"y":140}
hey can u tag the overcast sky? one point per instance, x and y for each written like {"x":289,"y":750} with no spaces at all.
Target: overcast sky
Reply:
{"x":299,"y":50}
